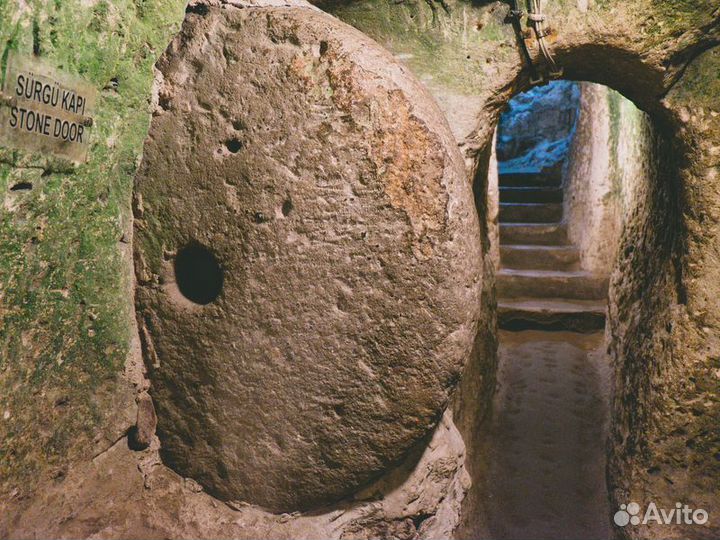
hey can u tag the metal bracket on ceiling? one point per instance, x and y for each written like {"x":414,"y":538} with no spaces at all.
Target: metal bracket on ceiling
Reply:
{"x":548,"y":70}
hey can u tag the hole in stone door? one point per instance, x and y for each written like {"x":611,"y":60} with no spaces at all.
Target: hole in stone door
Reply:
{"x":233,"y":145}
{"x":198,"y":274}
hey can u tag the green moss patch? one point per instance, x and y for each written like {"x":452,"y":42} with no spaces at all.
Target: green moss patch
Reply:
{"x":447,"y":43}
{"x":65,"y":319}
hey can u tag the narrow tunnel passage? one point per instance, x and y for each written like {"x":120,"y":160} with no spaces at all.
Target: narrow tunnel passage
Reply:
{"x":544,"y":279}
{"x":570,"y":162}
{"x":546,"y":437}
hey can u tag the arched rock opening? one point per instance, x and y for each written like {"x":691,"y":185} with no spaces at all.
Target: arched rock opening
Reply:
{"x":599,"y":187}
{"x":647,"y":312}
{"x":664,"y":358}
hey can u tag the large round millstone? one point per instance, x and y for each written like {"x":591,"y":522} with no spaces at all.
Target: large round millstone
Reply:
{"x":307,"y":253}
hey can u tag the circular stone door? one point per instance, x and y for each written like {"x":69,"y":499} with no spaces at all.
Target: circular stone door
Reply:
{"x":307,"y":253}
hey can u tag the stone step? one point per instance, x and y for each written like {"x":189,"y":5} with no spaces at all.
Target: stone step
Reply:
{"x":539,"y":257}
{"x":551,"y":314}
{"x":533,"y":233}
{"x":577,"y":285}
{"x":531,"y":212}
{"x":530,"y":194}
{"x":536,"y":179}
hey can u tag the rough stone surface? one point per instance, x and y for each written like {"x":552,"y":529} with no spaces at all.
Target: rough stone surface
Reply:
{"x":665,"y":320}
{"x":609,"y":160}
{"x":328,"y":187}
{"x":66,"y":307}
{"x":141,"y":436}
{"x":65,"y":288}
{"x":124,"y":494}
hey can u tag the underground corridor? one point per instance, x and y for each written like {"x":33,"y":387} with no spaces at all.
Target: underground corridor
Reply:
{"x":575,"y":169}
{"x":364,"y":269}
{"x":556,"y":272}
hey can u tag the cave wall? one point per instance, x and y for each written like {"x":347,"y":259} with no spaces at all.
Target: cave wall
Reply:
{"x":609,"y":161}
{"x":471,"y":402}
{"x":66,"y":375}
{"x":67,"y":325}
{"x":493,"y":205}
{"x":662,"y":324}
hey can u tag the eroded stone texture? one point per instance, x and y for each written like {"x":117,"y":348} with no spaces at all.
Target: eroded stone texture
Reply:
{"x":327,"y":186}
{"x":665,"y":322}
{"x":141,"y":436}
{"x":663,"y":316}
{"x":610,"y":162}
{"x":125,"y":494}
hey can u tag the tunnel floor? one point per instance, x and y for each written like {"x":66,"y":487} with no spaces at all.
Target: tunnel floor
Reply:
{"x":545,"y":442}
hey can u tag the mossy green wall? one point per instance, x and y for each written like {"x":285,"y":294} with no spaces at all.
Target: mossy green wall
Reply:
{"x":65,"y":315}
{"x":451,"y":40}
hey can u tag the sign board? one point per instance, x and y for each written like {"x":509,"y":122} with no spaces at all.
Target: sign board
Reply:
{"x":45,"y":110}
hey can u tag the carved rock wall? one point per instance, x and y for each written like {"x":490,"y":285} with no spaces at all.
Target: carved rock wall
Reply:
{"x":68,"y":394}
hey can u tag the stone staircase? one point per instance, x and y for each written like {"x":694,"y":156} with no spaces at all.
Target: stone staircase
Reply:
{"x":540,"y":284}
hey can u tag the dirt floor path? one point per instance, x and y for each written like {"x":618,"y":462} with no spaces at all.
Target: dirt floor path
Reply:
{"x":544,"y":450}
